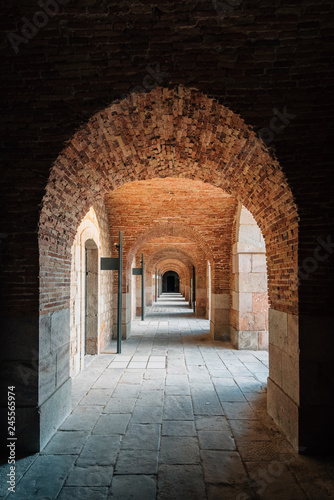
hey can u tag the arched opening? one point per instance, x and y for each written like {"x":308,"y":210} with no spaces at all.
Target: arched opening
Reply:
{"x":171,"y":282}
{"x":181,"y":133}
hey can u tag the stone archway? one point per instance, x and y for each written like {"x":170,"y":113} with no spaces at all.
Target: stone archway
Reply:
{"x":181,"y":133}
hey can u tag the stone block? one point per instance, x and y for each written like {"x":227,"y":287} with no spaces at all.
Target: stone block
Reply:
{"x":54,"y":411}
{"x":63,"y":364}
{"x":260,"y":303}
{"x":250,"y":233}
{"x":264,"y":340}
{"x":47,"y":377}
{"x":234,"y":336}
{"x":220,"y":331}
{"x":248,"y":247}
{"x":293,"y":335}
{"x":221,"y":316}
{"x":60,"y":328}
{"x":246,"y":217}
{"x":248,"y":340}
{"x":235,"y":301}
{"x":290,"y":376}
{"x":245,"y":302}
{"x":278,"y":328}
{"x":252,"y":282}
{"x":275,"y":364}
{"x":220,"y":300}
{"x":284,"y":411}
{"x":244,"y":263}
{"x":259,"y":264}
{"x":44,"y":335}
{"x":251,"y":321}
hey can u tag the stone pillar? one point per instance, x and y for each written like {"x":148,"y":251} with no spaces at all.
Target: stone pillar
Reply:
{"x":249,"y":311}
{"x":220,"y":310}
{"x":283,"y":381}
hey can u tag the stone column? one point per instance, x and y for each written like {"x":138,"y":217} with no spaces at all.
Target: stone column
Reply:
{"x":220,"y":310}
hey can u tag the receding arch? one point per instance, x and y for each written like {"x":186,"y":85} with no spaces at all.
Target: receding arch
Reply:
{"x":184,"y":134}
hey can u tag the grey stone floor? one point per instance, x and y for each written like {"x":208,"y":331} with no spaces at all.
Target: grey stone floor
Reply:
{"x":175,"y":416}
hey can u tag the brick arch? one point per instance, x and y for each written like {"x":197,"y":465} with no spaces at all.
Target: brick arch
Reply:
{"x":174,"y":265}
{"x":172,"y":253}
{"x":177,"y":133}
{"x":168,"y":230}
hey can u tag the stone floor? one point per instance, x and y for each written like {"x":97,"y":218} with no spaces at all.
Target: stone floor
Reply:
{"x":175,"y":416}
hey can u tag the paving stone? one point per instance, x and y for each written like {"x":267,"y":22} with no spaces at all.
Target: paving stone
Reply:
{"x":96,"y":397}
{"x":181,"y":482}
{"x":238,"y":410}
{"x":44,"y":478}
{"x":150,"y":398}
{"x":216,"y":440}
{"x":82,"y":418}
{"x":142,"y":437}
{"x":206,"y":402}
{"x":137,"y":462}
{"x":109,"y":424}
{"x":179,"y":450}
{"x":248,"y":430}
{"x":178,"y":408}
{"x":133,"y":487}
{"x":99,"y":450}
{"x":83,"y":493}
{"x":223,"y":467}
{"x":178,"y":428}
{"x":66,"y":443}
{"x":147,"y":415}
{"x":235,"y":492}
{"x":177,"y":390}
{"x":126,"y":391}
{"x":120,"y":405}
{"x":92,"y":475}
{"x":212,"y":423}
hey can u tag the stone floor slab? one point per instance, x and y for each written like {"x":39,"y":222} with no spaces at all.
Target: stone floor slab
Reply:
{"x":92,"y":475}
{"x":133,"y":487}
{"x":137,"y":462}
{"x":223,"y":467}
{"x":109,"y":424}
{"x":83,"y":493}
{"x":100,"y":450}
{"x":66,"y":443}
{"x":178,"y":428}
{"x":179,"y":450}
{"x":45,"y":478}
{"x":178,"y":482}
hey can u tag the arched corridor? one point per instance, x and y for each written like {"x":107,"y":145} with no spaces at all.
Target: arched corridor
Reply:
{"x":176,"y":416}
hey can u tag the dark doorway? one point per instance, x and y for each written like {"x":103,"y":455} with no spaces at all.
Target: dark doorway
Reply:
{"x":171,"y":282}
